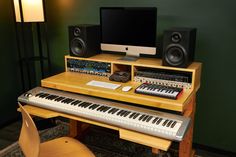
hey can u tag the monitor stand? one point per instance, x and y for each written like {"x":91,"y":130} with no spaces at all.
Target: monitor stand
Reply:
{"x":129,"y":58}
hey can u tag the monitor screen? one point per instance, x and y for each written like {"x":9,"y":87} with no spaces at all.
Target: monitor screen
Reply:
{"x":129,"y":29}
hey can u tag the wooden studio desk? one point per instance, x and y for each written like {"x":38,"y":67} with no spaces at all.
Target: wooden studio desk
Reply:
{"x":74,"y":81}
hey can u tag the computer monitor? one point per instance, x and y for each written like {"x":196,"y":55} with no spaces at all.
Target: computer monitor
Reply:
{"x":129,"y":29}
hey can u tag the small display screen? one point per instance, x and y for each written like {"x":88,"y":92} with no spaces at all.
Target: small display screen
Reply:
{"x":129,"y":26}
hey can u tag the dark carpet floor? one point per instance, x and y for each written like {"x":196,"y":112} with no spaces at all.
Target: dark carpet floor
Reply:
{"x":103,"y":142}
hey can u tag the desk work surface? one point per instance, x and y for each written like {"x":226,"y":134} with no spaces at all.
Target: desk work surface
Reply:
{"x":133,"y":136}
{"x":77,"y":83}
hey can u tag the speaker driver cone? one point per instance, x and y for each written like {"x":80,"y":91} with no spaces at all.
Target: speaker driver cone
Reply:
{"x":175,"y":55}
{"x":78,"y":47}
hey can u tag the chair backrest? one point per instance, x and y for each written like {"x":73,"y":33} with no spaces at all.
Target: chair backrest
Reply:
{"x":29,"y":139}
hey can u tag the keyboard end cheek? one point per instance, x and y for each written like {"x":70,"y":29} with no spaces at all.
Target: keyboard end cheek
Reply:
{"x":180,"y":94}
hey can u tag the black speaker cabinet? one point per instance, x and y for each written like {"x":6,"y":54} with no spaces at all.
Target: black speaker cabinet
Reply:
{"x":179,"y":47}
{"x":84,"y":40}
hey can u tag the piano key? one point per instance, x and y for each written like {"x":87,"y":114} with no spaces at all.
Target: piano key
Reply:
{"x":136,"y":115}
{"x":149,"y":118}
{"x":145,"y":118}
{"x":173,"y":124}
{"x":159,"y":121}
{"x":132,"y":114}
{"x":94,"y":106}
{"x":165,"y":122}
{"x":169,"y":123}
{"x":59,"y":99}
{"x":75,"y":102}
{"x":119,"y":112}
{"x":44,"y":95}
{"x":141,"y":117}
{"x":39,"y":94}
{"x":154,"y":121}
{"x":115,"y":110}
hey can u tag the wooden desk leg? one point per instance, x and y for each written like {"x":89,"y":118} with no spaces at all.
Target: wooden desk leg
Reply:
{"x":73,"y":125}
{"x":77,"y":129}
{"x":155,"y":151}
{"x":185,"y":147}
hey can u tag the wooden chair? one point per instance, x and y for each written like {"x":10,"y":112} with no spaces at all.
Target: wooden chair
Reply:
{"x":29,"y":142}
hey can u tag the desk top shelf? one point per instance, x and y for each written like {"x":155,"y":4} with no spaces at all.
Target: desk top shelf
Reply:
{"x":76,"y":82}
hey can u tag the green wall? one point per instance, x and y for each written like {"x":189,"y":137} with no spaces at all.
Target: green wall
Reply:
{"x":215,"y":20}
{"x":9,"y":80}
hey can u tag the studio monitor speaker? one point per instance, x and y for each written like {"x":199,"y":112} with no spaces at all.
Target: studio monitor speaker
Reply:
{"x":84,"y":40}
{"x":179,"y":47}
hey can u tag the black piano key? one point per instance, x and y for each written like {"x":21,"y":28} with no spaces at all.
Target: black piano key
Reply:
{"x":64,"y":100}
{"x":165,"y":122}
{"x":141,"y":117}
{"x":54,"y":97}
{"x":154,"y":121}
{"x":149,"y":118}
{"x":87,"y":105}
{"x":103,"y":109}
{"x":99,"y":108}
{"x":136,"y":115}
{"x":132,"y":114}
{"x":59,"y":99}
{"x":44,"y":95}
{"x":67,"y":101}
{"x":173,"y":124}
{"x":49,"y":97}
{"x":37,"y":95}
{"x":127,"y":113}
{"x":111,"y":110}
{"x":116,"y":110}
{"x":118,"y":113}
{"x":159,"y":120}
{"x":169,"y":123}
{"x":106,"y":108}
{"x":90,"y":107}
{"x":145,"y":118}
{"x":41,"y":94}
{"x":122,"y":112}
{"x":95,"y":106}
{"x":71,"y":100}
{"x":83,"y":104}
{"x":75,"y":102}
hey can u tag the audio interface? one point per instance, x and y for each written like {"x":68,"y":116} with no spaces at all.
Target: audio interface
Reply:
{"x":88,"y":67}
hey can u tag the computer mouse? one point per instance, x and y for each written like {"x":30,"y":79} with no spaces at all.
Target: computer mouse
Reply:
{"x":126,"y":88}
